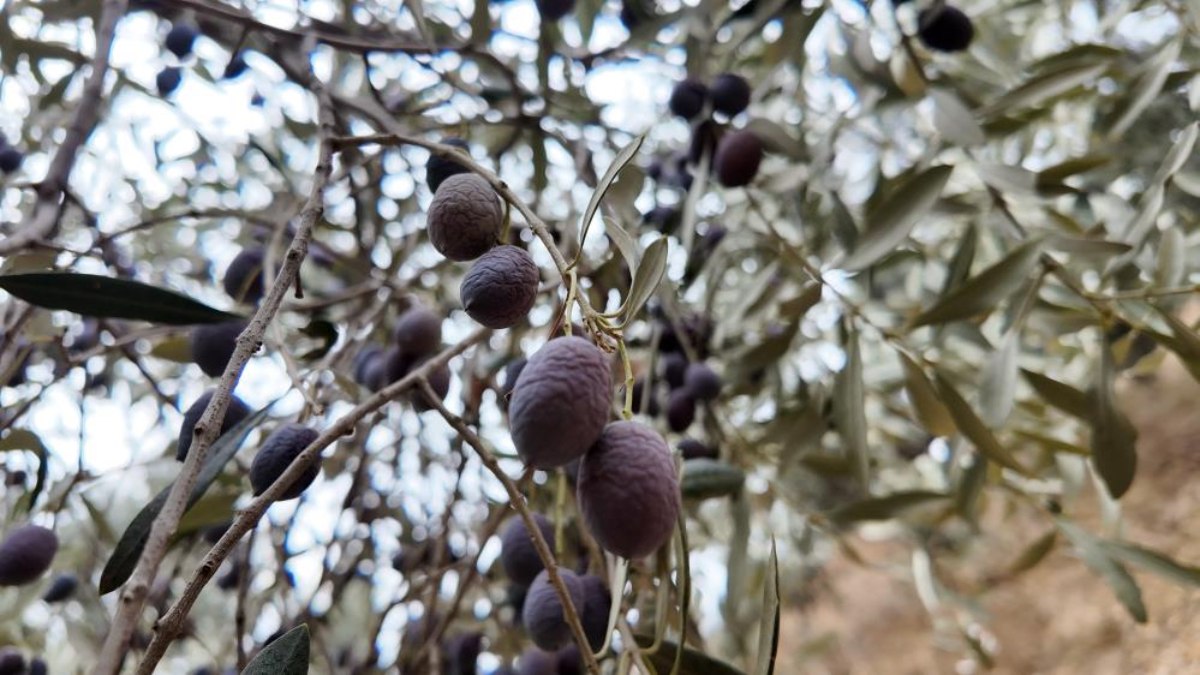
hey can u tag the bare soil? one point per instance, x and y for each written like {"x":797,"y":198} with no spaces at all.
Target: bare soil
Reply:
{"x":1057,"y":618}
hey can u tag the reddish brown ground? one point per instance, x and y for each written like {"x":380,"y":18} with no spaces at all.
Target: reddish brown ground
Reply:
{"x":1058,"y":618}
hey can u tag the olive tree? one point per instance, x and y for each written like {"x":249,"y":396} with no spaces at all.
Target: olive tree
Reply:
{"x":567,"y":337}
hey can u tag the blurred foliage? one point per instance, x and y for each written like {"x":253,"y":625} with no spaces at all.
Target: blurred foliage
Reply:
{"x":922,"y":306}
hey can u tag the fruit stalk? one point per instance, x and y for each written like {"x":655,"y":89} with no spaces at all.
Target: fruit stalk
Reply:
{"x":535,"y":223}
{"x":570,"y":615}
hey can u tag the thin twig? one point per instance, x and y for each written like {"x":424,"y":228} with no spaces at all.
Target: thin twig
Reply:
{"x":518,"y":502}
{"x":133,"y":596}
{"x":45,"y":213}
{"x":171,"y":623}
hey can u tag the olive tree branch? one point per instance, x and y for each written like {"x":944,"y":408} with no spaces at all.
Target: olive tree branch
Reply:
{"x":133,"y":596}
{"x":45,"y":213}
{"x":570,"y":615}
{"x":170,"y":625}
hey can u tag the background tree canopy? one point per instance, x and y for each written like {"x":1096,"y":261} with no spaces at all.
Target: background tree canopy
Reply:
{"x":894,"y":293}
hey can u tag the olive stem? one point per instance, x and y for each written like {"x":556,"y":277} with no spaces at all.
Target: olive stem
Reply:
{"x":133,"y":595}
{"x":627,"y":413}
{"x":170,"y":625}
{"x":570,"y":615}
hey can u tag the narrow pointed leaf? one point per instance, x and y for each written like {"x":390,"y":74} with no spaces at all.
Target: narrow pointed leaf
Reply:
{"x":1043,"y":87}
{"x":646,"y":278}
{"x":286,"y":656}
{"x":883,"y":508}
{"x":624,"y":242}
{"x":849,"y":403}
{"x":889,"y":222}
{"x":1179,"y":153}
{"x":982,"y":293}
{"x":693,"y":662}
{"x":1062,"y":396}
{"x":23,"y":439}
{"x":1033,"y":554}
{"x":973,"y":428}
{"x":1153,"y":561}
{"x":1146,"y":89}
{"x":610,"y":176}
{"x":768,"y":627}
{"x":953,"y":120}
{"x":1094,"y":555}
{"x":930,"y":410}
{"x":105,"y":297}
{"x":125,"y":556}
{"x":1114,"y":439}
{"x":997,"y":393}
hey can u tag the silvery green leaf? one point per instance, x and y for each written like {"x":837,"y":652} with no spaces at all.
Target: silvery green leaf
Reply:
{"x":889,"y":222}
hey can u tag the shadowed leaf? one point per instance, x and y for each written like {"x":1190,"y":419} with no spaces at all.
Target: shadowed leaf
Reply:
{"x":286,"y":656}
{"x":105,"y":297}
{"x":125,"y":556}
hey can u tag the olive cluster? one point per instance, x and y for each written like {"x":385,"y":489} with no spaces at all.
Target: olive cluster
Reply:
{"x":736,"y":153}
{"x":416,"y":337}
{"x":539,"y":604}
{"x":180,"y":40}
{"x":465,"y":222}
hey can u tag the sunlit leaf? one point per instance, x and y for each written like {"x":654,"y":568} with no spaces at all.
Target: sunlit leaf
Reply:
{"x":954,"y":120}
{"x":1147,"y":86}
{"x":1044,"y":86}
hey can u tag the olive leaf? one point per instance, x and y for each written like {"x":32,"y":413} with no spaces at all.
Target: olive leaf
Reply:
{"x":23,"y":439}
{"x":883,"y":508}
{"x":646,"y":278}
{"x":930,"y":411}
{"x":1096,"y":556}
{"x":1153,"y":561}
{"x":105,"y":297}
{"x":849,"y":403}
{"x":972,"y":427}
{"x":610,"y":176}
{"x":953,"y":120}
{"x":287,"y":655}
{"x":1062,"y":396}
{"x":768,"y":627}
{"x":889,"y":223}
{"x":1042,"y":87}
{"x":125,"y":556}
{"x":983,"y":292}
{"x":1114,"y":439}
